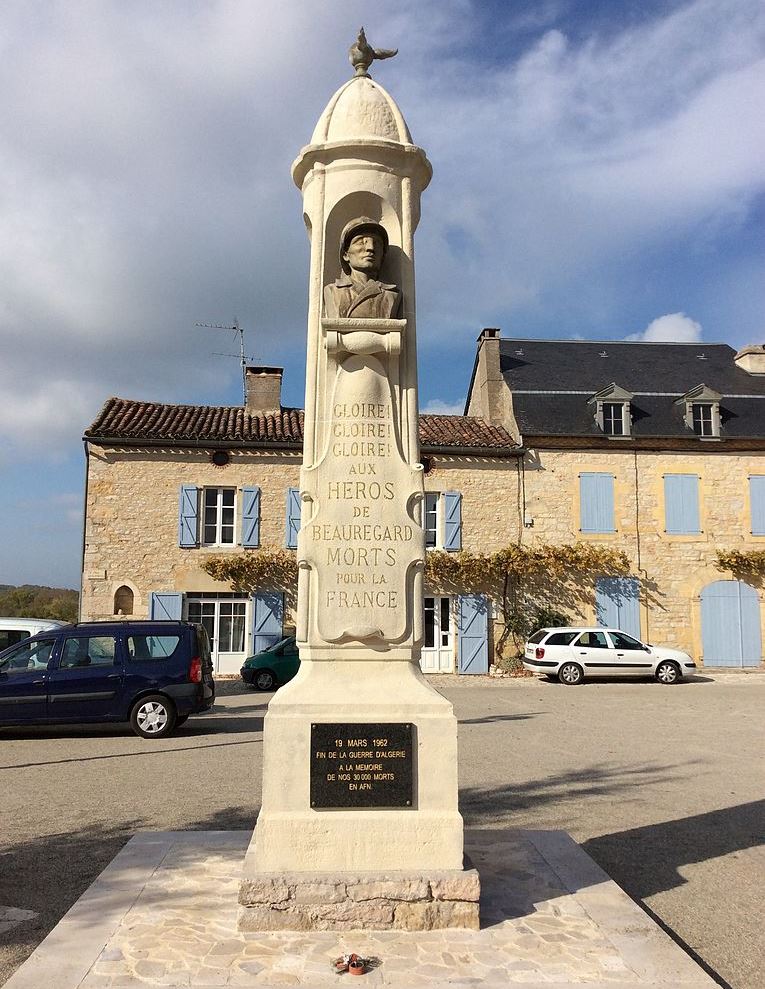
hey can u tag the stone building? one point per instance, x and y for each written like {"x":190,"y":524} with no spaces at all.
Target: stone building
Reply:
{"x":171,"y":485}
{"x":656,"y":449}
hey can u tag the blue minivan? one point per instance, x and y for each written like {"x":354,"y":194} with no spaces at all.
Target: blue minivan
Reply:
{"x":153,"y":674}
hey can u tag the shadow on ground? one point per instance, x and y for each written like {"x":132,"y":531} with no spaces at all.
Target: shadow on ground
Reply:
{"x":48,"y":873}
{"x":482,"y":806}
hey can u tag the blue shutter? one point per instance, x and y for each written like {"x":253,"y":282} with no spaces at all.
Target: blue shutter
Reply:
{"x":293,"y":518}
{"x":473,"y":632}
{"x":757,"y":503}
{"x":596,"y":502}
{"x":452,"y":521}
{"x":681,"y":504}
{"x":188,"y":515}
{"x":617,"y":603}
{"x":251,"y":517}
{"x":165,"y":605}
{"x":267,"y":619}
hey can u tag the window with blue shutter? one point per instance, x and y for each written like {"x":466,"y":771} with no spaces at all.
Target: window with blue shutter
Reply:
{"x":681,"y":504}
{"x":473,"y":633}
{"x":164,"y":605}
{"x":267,"y":619}
{"x":757,"y":503}
{"x":188,"y":516}
{"x":293,"y":518}
{"x":251,"y":517}
{"x":596,"y":502}
{"x":452,"y":521}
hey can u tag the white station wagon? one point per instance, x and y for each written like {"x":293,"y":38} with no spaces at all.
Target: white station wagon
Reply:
{"x":572,"y":654}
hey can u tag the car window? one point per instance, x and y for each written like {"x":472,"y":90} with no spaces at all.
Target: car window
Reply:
{"x":203,"y":644}
{"x":29,"y":656}
{"x":593,"y":640}
{"x":561,"y":639}
{"x":623,"y":641}
{"x":10,"y":636}
{"x":538,"y":636}
{"x":88,"y":650}
{"x":143,"y":648}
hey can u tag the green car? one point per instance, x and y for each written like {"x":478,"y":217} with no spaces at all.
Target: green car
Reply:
{"x":272,"y":667}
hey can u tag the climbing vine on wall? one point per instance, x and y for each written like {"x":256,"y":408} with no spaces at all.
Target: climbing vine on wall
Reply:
{"x":527,"y":581}
{"x":263,"y":569}
{"x":748,"y":564}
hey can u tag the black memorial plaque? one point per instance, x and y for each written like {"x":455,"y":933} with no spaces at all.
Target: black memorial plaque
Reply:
{"x":361,"y":766}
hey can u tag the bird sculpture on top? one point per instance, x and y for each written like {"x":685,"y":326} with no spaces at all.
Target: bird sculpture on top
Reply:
{"x":361,"y":54}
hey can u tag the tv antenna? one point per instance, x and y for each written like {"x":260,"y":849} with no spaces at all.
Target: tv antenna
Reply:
{"x":243,"y":359}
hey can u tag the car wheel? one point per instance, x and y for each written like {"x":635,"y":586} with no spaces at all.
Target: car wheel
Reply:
{"x":667,"y":672}
{"x":153,"y":717}
{"x":181,"y":719}
{"x":264,"y":680}
{"x":570,"y":674}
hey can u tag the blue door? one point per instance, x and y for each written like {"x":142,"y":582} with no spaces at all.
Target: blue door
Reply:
{"x":617,"y":604}
{"x":730,"y":624}
{"x":267,"y":619}
{"x":473,"y":633}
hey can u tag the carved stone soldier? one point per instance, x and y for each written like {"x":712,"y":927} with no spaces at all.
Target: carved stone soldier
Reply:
{"x":358,"y":293}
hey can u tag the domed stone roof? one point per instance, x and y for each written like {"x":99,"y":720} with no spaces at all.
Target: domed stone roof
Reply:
{"x":361,"y":109}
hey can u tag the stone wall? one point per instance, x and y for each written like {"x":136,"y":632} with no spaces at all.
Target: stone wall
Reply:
{"x":131,"y":534}
{"x":673,"y":569}
{"x":132,"y":519}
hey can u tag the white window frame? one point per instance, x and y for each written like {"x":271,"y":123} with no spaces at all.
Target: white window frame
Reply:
{"x":714,"y":419}
{"x":626,"y":418}
{"x":219,"y":506}
{"x":438,"y":528}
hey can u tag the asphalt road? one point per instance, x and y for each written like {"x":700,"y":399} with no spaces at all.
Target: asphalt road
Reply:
{"x":663,"y":786}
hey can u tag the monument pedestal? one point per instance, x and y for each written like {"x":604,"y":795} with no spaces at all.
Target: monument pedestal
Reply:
{"x":324,"y":868}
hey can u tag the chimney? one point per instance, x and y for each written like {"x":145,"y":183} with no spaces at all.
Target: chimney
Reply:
{"x":486,"y":398}
{"x":751,"y":359}
{"x":264,"y":389}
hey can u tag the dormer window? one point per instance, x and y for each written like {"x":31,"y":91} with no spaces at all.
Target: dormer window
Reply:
{"x":612,"y":410}
{"x":702,"y":411}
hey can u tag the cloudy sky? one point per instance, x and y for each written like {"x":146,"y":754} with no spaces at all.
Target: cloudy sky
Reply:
{"x":598,"y":173}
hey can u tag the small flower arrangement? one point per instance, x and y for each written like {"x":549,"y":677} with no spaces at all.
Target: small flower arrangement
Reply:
{"x":353,"y":964}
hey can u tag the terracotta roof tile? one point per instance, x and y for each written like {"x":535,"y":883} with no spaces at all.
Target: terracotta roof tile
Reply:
{"x":131,"y":421}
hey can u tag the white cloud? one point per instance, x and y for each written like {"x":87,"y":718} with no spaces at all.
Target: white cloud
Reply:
{"x":675,"y":327}
{"x":436,"y":407}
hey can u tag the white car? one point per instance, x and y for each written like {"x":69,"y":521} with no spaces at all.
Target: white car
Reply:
{"x":572,"y":654}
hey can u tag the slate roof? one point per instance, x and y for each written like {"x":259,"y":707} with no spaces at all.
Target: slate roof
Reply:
{"x":129,"y":421}
{"x":552,"y":380}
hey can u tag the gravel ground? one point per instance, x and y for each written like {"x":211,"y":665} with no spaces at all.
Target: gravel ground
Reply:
{"x":662,"y":786}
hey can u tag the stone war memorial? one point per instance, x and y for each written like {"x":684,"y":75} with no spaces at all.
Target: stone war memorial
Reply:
{"x":359,"y":825}
{"x":356,"y":865}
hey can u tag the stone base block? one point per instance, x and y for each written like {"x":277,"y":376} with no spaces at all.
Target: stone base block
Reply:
{"x":324,"y":901}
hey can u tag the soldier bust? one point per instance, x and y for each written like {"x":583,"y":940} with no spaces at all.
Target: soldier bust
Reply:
{"x":357,"y":292}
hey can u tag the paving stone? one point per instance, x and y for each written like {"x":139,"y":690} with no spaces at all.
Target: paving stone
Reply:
{"x":181,"y":932}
